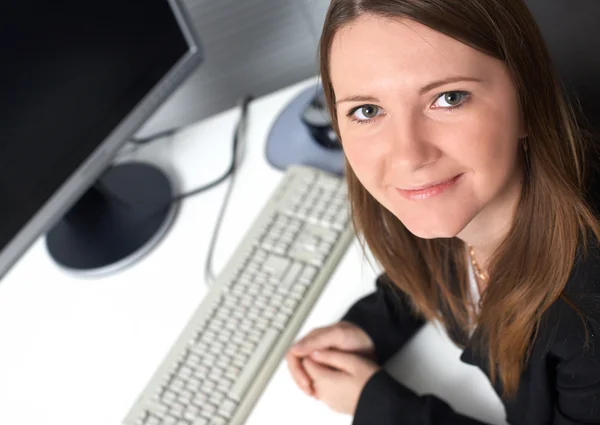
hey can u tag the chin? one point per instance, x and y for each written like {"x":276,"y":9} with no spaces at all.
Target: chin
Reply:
{"x":434,"y":229}
{"x":446,"y":218}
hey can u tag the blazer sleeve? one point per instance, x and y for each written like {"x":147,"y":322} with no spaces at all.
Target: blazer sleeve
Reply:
{"x":576,"y":360}
{"x":577,"y":367}
{"x":385,"y":401}
{"x":578,"y":389}
{"x":386,"y":316}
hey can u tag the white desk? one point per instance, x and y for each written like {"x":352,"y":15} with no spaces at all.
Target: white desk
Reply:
{"x":78,"y":351}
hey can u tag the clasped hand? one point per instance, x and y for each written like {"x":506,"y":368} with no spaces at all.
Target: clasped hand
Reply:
{"x":333,"y":364}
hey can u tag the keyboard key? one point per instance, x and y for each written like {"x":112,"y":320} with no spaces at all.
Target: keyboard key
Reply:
{"x":279,"y":322}
{"x":224,"y":385}
{"x":193,"y":359}
{"x":177,"y":384}
{"x":153,"y":420}
{"x":290,"y":303}
{"x":223,"y":337}
{"x":223,"y":362}
{"x":287,"y":311}
{"x":159,"y":410}
{"x":229,"y":351}
{"x":199,"y":399}
{"x":247,"y":348}
{"x":262,"y":324}
{"x":238,"y":314}
{"x":238,"y":338}
{"x":193,"y":384}
{"x":253,"y":315}
{"x":201,"y":370}
{"x":261,"y":302}
{"x":277,"y":299}
{"x":233,"y":372}
{"x":232,"y":324}
{"x":254,"y":336}
{"x":168,"y":397}
{"x":169,"y":420}
{"x":177,"y":409}
{"x":216,"y":398}
{"x":185,"y":397}
{"x":215,"y":374}
{"x":209,"y":336}
{"x":208,"y":386}
{"x":191,"y":413}
{"x":185,"y":372}
{"x":291,"y":275}
{"x":227,"y":408}
{"x":247,"y":375}
{"x":209,"y":359}
{"x":269,"y":313}
{"x":269,"y":289}
{"x":276,"y":265}
{"x":208,"y":410}
{"x":240,"y":361}
{"x":216,"y":349}
{"x":308,"y":274}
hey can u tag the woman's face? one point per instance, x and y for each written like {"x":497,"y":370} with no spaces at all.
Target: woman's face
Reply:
{"x":430,"y":126}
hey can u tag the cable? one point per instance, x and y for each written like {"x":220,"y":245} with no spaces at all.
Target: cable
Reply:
{"x":236,"y":159}
{"x":154,"y":137}
{"x":235,"y":156}
{"x":134,"y":143}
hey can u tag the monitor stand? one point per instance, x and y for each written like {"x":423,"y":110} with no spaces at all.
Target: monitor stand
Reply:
{"x":116,"y":222}
{"x":290,"y":140}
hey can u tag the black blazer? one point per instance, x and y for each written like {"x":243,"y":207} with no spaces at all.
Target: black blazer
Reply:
{"x":560,"y":384}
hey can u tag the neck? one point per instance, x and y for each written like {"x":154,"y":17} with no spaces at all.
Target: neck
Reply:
{"x":490,"y":227}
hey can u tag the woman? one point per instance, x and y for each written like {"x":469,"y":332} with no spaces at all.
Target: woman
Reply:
{"x":468,"y":180}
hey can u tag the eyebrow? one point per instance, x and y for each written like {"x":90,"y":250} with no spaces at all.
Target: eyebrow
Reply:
{"x":423,"y":90}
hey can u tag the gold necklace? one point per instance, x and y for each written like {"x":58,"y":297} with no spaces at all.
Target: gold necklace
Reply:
{"x":476,"y":268}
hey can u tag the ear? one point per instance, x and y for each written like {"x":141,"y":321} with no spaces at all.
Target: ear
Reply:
{"x":523,"y":129}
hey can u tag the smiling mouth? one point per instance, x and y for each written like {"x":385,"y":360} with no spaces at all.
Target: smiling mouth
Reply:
{"x":426,"y":192}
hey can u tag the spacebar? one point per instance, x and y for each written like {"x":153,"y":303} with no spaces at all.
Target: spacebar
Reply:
{"x":245,"y":378}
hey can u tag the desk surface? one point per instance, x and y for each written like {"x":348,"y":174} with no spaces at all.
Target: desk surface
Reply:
{"x":79,"y":351}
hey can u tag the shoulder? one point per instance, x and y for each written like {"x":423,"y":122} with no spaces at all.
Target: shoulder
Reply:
{"x":584,"y":278}
{"x":592,"y":186}
{"x":567,"y":330}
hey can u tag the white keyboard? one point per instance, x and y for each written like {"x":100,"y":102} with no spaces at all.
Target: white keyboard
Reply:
{"x":239,"y":334}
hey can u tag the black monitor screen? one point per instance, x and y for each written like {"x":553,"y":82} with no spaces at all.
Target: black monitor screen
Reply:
{"x":70,"y":72}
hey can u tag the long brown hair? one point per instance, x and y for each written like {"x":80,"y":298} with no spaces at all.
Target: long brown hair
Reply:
{"x":529,"y":271}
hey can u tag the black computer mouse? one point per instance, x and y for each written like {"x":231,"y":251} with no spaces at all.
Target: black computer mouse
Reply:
{"x":318,"y":120}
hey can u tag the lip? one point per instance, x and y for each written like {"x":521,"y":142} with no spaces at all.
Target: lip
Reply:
{"x":429,"y":191}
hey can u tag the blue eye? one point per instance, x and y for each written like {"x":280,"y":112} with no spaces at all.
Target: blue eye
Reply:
{"x":364,"y":113}
{"x":453,"y":99}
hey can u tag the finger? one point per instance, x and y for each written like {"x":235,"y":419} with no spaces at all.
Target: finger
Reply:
{"x":340,"y":360}
{"x":316,"y":370}
{"x":298,"y":373}
{"x":299,"y":347}
{"x":320,"y":339}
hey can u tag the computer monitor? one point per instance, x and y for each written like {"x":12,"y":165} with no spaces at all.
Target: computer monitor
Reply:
{"x":77,"y":80}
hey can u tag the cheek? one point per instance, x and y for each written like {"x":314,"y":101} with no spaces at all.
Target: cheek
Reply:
{"x":365,"y":160}
{"x":492,"y":155}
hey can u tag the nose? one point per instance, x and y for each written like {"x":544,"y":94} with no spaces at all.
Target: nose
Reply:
{"x":409,"y":146}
